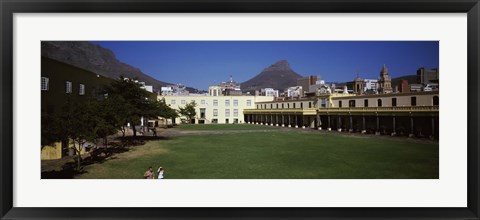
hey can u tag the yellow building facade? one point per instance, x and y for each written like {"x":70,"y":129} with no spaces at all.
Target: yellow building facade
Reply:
{"x":216,"y":109}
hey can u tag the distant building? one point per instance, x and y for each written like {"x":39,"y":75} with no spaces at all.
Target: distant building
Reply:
{"x":314,"y":88}
{"x":145,"y":87}
{"x":294,"y":92}
{"x":215,"y":91}
{"x":306,"y":82}
{"x":176,"y":90}
{"x":324,"y":89}
{"x":358,"y":85}
{"x":370,"y":85}
{"x":416,"y":87}
{"x":269,"y":92}
{"x":425,"y":76}
{"x":166,"y":90}
{"x":230,"y":88}
{"x":384,"y":81}
{"x":403,"y":86}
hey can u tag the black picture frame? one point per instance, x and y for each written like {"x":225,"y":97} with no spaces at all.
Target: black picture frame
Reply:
{"x":10,"y":7}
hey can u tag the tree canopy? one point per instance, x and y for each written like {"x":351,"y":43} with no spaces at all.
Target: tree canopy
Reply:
{"x":188,"y":110}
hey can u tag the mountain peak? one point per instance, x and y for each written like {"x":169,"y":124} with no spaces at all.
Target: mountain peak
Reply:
{"x":278,"y":76}
{"x":281,"y":65}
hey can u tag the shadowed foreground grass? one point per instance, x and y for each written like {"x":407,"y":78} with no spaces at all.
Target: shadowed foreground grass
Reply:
{"x":275,"y":155}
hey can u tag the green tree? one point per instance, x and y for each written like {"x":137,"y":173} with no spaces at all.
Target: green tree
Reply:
{"x":137,"y":100}
{"x":162,"y":109}
{"x":113,"y":116}
{"x":77,"y":123}
{"x":188,"y":111}
{"x":48,"y":124}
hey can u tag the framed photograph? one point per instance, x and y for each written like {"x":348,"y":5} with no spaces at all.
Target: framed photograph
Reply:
{"x":257,"y":110}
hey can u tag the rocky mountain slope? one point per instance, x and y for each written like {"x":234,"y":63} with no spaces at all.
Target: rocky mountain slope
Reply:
{"x":95,"y":59}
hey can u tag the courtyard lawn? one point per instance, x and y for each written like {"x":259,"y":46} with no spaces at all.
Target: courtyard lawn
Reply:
{"x":224,"y":127}
{"x":275,"y":154}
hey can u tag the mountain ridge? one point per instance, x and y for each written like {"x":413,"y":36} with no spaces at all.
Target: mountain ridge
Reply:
{"x":96,"y":59}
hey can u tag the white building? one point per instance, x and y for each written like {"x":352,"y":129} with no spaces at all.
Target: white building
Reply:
{"x":370,"y":84}
{"x":148,"y":88}
{"x":216,"y":109}
{"x":215,"y":91}
{"x":295,"y":91}
{"x":166,"y":90}
{"x":177,"y":90}
{"x":269,"y":92}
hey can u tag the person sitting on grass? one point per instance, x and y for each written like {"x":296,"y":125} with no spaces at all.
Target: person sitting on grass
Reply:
{"x":148,"y":174}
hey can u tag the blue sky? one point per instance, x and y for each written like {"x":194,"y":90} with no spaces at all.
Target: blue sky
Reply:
{"x":200,"y":64}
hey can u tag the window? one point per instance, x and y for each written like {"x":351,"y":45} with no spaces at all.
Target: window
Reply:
{"x":282,"y":105}
{"x":227,"y":102}
{"x":215,"y":102}
{"x":435,"y":100}
{"x":351,"y":103}
{"x":271,"y":106}
{"x":44,"y":84}
{"x":309,"y":104}
{"x":173,"y":102}
{"x":339,"y":104}
{"x":235,"y":102}
{"x":288,"y":105}
{"x":293,"y":105}
{"x":277,"y":105}
{"x":202,"y":101}
{"x":379,"y":103}
{"x":214,"y":121}
{"x":249,"y":102}
{"x":413,"y":100}
{"x":235,"y":112}
{"x":258,"y":106}
{"x":227,"y":112}
{"x":215,"y":112}
{"x":183,"y":102}
{"x":301,"y":104}
{"x":394,"y":102}
{"x":365,"y":102}
{"x":68,"y":87}
{"x":81,"y":89}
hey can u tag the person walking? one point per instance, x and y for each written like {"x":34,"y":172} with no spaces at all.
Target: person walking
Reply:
{"x":160,"y":173}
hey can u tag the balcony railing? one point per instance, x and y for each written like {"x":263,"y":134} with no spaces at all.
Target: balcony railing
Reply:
{"x":309,"y":111}
{"x":383,"y":109}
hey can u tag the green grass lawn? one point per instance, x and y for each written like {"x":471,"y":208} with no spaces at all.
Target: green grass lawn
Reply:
{"x":224,"y":127}
{"x":274,"y":154}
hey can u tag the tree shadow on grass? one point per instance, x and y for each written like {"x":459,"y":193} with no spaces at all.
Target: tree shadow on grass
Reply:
{"x":99,"y":156}
{"x":140,"y":140}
